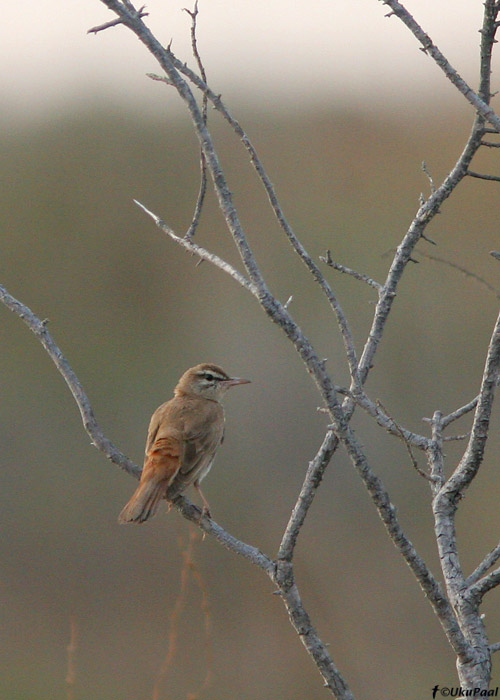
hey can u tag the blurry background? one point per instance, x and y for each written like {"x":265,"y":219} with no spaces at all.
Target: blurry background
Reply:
{"x":343,"y":109}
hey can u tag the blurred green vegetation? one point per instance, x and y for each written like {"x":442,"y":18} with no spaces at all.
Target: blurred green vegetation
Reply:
{"x":131,"y":311}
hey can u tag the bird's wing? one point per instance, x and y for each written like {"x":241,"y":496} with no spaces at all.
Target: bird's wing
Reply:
{"x":164,"y":448}
{"x":163,"y":459}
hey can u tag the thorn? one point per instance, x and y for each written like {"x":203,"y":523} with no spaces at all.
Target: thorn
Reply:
{"x":288,"y":302}
{"x":45,"y":322}
{"x":277,"y":592}
{"x":410,"y":259}
{"x":495,"y":254}
{"x":426,"y":238}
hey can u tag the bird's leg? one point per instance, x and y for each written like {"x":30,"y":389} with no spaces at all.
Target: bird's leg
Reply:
{"x":206,"y":506}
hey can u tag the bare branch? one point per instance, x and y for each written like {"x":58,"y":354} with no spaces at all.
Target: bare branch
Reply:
{"x":429,"y":177}
{"x":311,"y":483}
{"x":453,"y":438}
{"x":252,"y":554}
{"x":481,"y":176}
{"x":435,"y":454}
{"x":348,"y":271}
{"x":462,"y":411}
{"x":490,"y":560}
{"x":473,"y":456}
{"x":400,"y":432}
{"x":479,"y":589}
{"x":385,"y":421}
{"x":114,"y":22}
{"x":307,"y":633}
{"x":39,"y":328}
{"x":432,"y":50}
{"x":203,"y":163}
{"x":201,"y":252}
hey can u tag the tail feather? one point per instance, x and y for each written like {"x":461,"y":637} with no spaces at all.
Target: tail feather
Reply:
{"x":144,"y":503}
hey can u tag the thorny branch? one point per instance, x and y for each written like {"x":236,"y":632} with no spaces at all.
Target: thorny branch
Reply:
{"x":340,"y":414}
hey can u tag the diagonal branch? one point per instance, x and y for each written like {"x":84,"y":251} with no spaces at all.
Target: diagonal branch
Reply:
{"x":99,"y":440}
{"x":312,"y":480}
{"x":203,"y":163}
{"x":202,"y":253}
{"x":479,"y":589}
{"x":473,"y":455}
{"x":39,"y":328}
{"x":490,"y":560}
{"x":481,"y":104}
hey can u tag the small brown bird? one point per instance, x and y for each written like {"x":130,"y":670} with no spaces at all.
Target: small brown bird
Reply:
{"x":184,"y":434}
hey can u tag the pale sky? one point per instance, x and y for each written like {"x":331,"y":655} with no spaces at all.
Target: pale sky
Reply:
{"x":272,"y":50}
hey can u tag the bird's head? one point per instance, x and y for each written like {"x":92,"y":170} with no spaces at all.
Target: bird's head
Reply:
{"x":207,"y":380}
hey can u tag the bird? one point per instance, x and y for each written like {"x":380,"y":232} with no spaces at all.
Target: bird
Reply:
{"x":183,"y":437}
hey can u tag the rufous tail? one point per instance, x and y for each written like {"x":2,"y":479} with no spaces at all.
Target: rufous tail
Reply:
{"x":144,"y":503}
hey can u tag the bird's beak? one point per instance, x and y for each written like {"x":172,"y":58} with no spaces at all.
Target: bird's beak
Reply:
{"x":234,"y":381}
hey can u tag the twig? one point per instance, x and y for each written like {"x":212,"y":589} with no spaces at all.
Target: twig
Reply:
{"x":453,"y":438}
{"x":202,"y":253}
{"x":203,"y":163}
{"x":463,"y":270}
{"x":348,"y":271}
{"x":429,"y":176}
{"x":481,"y":176}
{"x":479,"y":589}
{"x":114,"y":22}
{"x":385,"y":421}
{"x":311,"y":483}
{"x":490,"y":560}
{"x":462,"y":411}
{"x":473,"y":455}
{"x":402,"y":434}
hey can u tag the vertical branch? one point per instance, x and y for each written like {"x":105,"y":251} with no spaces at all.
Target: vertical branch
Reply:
{"x":203,"y":163}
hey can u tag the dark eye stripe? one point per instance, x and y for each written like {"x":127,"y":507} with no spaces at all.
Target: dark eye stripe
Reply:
{"x":211,"y":377}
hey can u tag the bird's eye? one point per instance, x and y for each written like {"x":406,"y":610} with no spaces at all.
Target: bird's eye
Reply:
{"x":209,"y":377}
